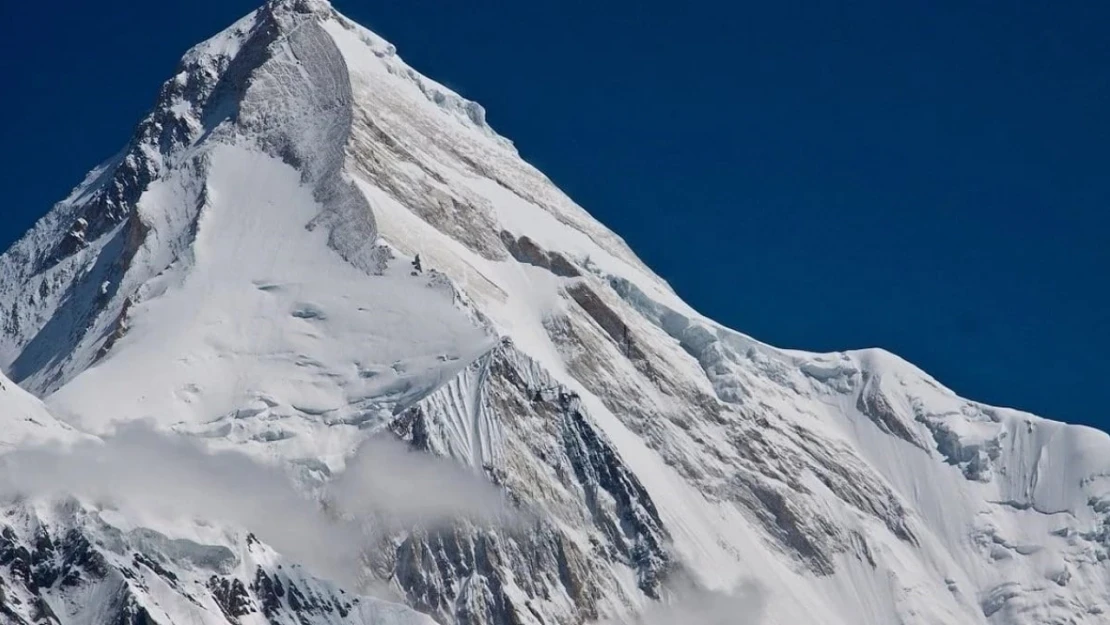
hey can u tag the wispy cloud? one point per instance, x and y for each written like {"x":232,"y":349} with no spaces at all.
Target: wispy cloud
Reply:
{"x":385,"y":486}
{"x":387,"y":477}
{"x":692,"y":605}
{"x":139,"y":469}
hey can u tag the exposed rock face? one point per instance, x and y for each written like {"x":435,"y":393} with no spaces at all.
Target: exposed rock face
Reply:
{"x":529,"y":434}
{"x":90,"y":572}
{"x":525,"y":250}
{"x":244,"y":273}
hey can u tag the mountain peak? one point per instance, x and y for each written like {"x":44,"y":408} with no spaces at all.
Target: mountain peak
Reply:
{"x":299,"y":6}
{"x":307,"y":246}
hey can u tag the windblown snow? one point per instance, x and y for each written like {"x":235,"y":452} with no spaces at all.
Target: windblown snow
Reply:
{"x":308,"y":250}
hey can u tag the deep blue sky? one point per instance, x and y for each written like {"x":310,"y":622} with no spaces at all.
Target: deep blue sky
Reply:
{"x":929,"y":177}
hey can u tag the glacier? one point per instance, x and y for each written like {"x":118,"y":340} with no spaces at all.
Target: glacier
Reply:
{"x":308,"y":248}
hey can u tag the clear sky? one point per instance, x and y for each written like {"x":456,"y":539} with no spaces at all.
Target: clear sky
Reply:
{"x":931,"y":177}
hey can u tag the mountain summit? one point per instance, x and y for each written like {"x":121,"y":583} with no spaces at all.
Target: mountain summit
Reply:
{"x":308,"y":250}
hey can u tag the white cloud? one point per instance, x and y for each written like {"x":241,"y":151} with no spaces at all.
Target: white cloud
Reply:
{"x":386,"y":477}
{"x":149,"y":472}
{"x":691,"y":605}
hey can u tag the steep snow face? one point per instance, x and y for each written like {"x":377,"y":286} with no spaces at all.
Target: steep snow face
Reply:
{"x":307,"y":244}
{"x":264,"y":324}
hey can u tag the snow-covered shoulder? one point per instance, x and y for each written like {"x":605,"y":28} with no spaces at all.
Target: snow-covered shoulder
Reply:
{"x":25,"y":420}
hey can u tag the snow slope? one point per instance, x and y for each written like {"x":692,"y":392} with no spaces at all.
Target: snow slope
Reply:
{"x":307,"y":245}
{"x":27,"y":421}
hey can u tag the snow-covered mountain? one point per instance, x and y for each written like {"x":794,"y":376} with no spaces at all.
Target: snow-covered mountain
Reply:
{"x":307,"y":247}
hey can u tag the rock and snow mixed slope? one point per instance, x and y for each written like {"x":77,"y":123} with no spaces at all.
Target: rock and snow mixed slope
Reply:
{"x":307,"y":245}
